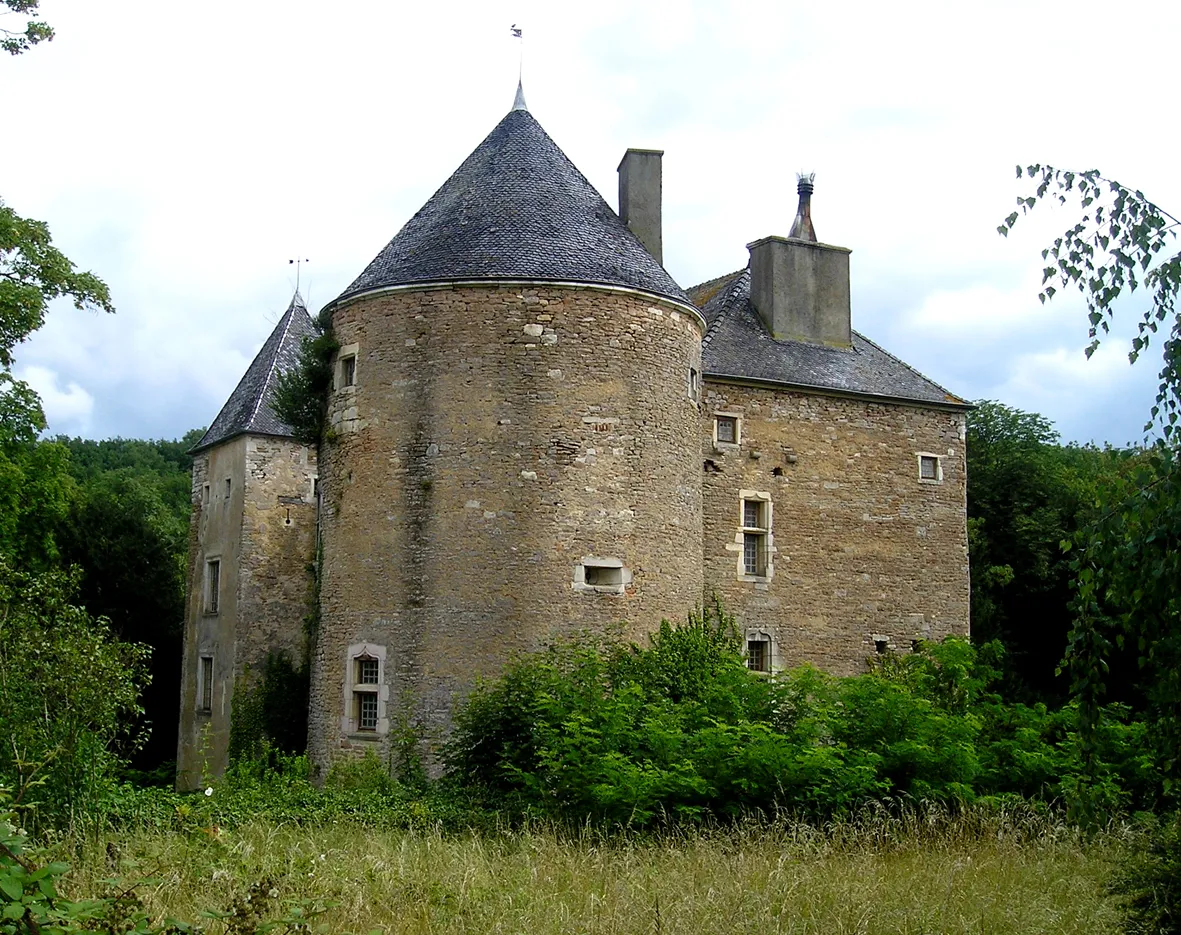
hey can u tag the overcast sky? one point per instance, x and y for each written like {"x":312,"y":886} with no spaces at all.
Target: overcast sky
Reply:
{"x":185,"y":153}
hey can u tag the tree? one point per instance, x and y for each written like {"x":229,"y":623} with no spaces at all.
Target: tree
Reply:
{"x":1026,"y":493}
{"x":18,"y":41}
{"x":1127,"y":563}
{"x":69,"y":694}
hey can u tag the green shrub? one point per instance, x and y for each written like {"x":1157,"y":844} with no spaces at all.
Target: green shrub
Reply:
{"x":69,"y":698}
{"x":682,"y":730}
{"x":1150,"y":881}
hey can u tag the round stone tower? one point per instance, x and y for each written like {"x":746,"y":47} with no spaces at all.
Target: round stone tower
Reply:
{"x":513,"y":454}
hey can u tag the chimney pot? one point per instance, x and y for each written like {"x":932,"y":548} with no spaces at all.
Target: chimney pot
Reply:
{"x":800,"y":287}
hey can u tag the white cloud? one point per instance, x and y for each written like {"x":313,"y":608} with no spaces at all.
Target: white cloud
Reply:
{"x":200,"y":154}
{"x":68,"y":409}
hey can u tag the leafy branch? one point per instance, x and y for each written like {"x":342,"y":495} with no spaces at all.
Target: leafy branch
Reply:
{"x":16,"y":41}
{"x":1117,"y":245}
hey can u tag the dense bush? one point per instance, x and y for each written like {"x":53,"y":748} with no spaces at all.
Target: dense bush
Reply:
{"x":69,"y":697}
{"x":682,"y":729}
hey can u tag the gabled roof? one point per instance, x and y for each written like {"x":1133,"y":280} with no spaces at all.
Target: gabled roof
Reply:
{"x":737,"y":346}
{"x":248,"y":410}
{"x":517,"y":208}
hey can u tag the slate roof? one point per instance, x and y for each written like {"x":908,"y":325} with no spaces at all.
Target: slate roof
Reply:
{"x":517,"y":208}
{"x":248,"y":410}
{"x":737,"y":345}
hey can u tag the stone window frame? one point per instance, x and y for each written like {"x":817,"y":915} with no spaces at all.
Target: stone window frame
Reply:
{"x":938,"y":459}
{"x":583,"y":583}
{"x":694,"y":383}
{"x":728,"y":446}
{"x":349,"y":352}
{"x":353,"y":687}
{"x":205,"y":670}
{"x":767,"y":531}
{"x":205,"y":495}
{"x":211,"y":586}
{"x":757,"y":635}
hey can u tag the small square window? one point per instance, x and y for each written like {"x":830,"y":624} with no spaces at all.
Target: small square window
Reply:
{"x":366,"y":710}
{"x":212,"y":585}
{"x":758,"y":655}
{"x":881,"y":646}
{"x":929,"y":468}
{"x":348,"y":370}
{"x":366,"y":671}
{"x":726,"y":428}
{"x":205,"y":684}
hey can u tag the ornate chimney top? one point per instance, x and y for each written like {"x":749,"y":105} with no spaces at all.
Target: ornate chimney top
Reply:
{"x":801,"y":228}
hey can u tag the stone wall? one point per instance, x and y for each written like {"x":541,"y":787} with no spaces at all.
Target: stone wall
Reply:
{"x":498,"y":436}
{"x":864,"y":551}
{"x":254,"y":511}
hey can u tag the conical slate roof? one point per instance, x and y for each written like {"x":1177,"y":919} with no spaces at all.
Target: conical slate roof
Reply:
{"x":517,"y":209}
{"x":248,"y":410}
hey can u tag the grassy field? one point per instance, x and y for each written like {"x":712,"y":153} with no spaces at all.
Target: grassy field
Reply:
{"x":879,"y":875}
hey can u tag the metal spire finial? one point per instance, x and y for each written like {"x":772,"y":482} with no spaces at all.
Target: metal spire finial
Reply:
{"x":519,"y":100}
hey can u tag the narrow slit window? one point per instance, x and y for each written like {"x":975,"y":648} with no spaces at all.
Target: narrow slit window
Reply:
{"x":205,"y":495}
{"x":754,"y":537}
{"x":229,"y":487}
{"x":212,"y":585}
{"x":348,"y":370}
{"x":205,"y":684}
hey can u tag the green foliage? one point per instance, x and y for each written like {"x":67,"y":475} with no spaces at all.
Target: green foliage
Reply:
{"x":301,"y":395}
{"x":682,"y":730}
{"x":1026,"y":494}
{"x":69,"y":696}
{"x":271,"y":709}
{"x":33,"y":272}
{"x":276,"y":787}
{"x":32,"y":901}
{"x":1127,"y":566}
{"x":1150,"y":881}
{"x":17,"y":41}
{"x":35,"y":493}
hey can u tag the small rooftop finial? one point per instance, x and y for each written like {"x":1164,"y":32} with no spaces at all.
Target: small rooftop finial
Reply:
{"x":801,"y":228}
{"x":519,"y":100}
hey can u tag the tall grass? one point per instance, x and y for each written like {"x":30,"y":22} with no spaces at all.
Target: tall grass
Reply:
{"x":921,"y":872}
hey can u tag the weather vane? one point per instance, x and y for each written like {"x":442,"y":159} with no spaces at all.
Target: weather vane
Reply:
{"x":516,"y":31}
{"x":298,"y":262}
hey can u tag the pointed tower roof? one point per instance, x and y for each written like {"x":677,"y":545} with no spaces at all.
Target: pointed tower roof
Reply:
{"x":517,"y":208}
{"x":248,"y":410}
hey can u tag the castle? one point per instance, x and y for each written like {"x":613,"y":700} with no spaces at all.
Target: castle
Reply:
{"x":534,"y":432}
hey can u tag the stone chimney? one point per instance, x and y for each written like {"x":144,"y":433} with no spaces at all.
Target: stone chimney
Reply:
{"x":639,"y":197}
{"x":800,"y":287}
